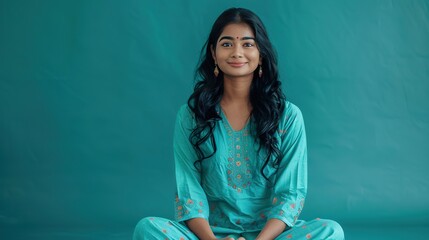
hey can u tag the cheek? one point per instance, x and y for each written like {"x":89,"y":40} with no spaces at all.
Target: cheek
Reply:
{"x":220,"y":54}
{"x":255,"y":55}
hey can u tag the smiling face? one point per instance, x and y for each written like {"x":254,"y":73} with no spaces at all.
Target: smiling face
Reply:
{"x":236,"y":52}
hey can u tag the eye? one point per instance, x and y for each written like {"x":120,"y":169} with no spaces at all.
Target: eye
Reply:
{"x":248,"y":44}
{"x":226,"y":44}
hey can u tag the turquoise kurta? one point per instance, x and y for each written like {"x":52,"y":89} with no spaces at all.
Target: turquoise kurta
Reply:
{"x":228,"y":188}
{"x":230,"y":192}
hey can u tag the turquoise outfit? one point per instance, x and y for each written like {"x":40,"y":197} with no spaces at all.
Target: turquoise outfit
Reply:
{"x":228,"y":189}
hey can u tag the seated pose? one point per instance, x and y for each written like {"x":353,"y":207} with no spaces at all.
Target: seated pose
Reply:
{"x":239,"y":147}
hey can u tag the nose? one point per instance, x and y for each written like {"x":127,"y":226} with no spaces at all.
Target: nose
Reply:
{"x":237,"y":51}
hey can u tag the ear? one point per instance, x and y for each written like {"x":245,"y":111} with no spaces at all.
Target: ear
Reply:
{"x":213,"y":53}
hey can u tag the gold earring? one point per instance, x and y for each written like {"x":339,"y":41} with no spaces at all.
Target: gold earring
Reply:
{"x":260,"y":71}
{"x":216,"y":71}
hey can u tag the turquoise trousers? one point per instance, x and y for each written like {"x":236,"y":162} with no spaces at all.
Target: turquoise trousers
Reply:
{"x":155,"y":228}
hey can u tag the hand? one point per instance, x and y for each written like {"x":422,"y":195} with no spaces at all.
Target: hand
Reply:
{"x":230,"y":238}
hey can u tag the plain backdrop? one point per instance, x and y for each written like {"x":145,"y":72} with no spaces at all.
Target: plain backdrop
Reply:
{"x":89,"y":92}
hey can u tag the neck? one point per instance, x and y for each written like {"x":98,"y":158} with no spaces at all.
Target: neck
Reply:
{"x":236,"y":91}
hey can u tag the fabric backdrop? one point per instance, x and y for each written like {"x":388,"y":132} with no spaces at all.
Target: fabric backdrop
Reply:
{"x":89,"y":90}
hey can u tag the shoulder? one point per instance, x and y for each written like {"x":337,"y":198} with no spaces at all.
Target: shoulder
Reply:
{"x":184,"y":111}
{"x":291,"y":111}
{"x":185,"y":116}
{"x":291,"y":115}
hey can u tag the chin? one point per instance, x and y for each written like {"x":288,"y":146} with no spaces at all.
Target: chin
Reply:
{"x":239,"y":75}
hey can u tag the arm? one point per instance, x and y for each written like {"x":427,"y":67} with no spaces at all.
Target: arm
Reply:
{"x":290,"y":186}
{"x":272,"y":229}
{"x":201,"y":228}
{"x":191,"y":203}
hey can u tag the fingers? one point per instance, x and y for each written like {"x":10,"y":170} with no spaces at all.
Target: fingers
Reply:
{"x":230,"y":238}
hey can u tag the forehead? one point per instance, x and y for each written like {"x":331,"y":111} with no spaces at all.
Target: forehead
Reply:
{"x":237,"y":30}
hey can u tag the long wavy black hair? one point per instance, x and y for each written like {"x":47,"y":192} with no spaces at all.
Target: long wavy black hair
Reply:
{"x":266,"y":96}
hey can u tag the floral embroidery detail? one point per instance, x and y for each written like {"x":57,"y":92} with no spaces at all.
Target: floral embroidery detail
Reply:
{"x":239,"y":163}
{"x":308,"y":236}
{"x":287,"y":209}
{"x":187,"y":206}
{"x":298,"y":212}
{"x":274,"y":200}
{"x":289,"y":236}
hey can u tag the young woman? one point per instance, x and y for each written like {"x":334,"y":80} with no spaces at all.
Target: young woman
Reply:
{"x":239,"y":147}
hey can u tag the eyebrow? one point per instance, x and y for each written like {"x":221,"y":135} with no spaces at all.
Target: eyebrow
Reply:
{"x":231,"y":38}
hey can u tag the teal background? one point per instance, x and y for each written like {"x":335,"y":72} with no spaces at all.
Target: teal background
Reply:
{"x":89,"y":91}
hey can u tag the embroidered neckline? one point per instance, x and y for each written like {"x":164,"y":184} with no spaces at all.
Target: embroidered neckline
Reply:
{"x":228,"y":126}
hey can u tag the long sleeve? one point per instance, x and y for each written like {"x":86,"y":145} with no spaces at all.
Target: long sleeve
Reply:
{"x":191,"y":200}
{"x":290,"y":187}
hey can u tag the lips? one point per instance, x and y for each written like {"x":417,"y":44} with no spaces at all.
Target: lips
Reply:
{"x":236,"y":64}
